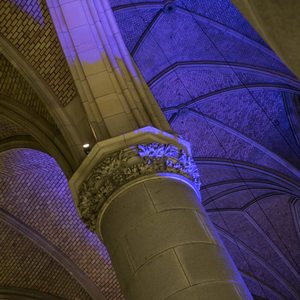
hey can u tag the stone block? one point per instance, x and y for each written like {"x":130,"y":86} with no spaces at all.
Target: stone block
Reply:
{"x":160,"y":277}
{"x":171,"y":194}
{"x":100,"y":84}
{"x":125,"y":212}
{"x":205,"y":262}
{"x":163,"y":231}
{"x":109,"y":105}
{"x":219,"y":290}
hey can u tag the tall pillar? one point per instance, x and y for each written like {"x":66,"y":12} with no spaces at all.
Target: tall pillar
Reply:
{"x":114,"y":95}
{"x":140,"y":193}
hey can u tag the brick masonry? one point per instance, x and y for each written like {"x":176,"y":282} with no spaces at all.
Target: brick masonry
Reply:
{"x":27,"y":25}
{"x":9,"y":129}
{"x":35,"y":191}
{"x":15,"y":87}
{"x":24,"y":265}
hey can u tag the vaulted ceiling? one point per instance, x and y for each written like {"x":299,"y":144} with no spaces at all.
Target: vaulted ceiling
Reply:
{"x":221,"y":88}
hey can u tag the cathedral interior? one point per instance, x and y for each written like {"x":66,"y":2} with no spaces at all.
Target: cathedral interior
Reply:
{"x":75,"y":72}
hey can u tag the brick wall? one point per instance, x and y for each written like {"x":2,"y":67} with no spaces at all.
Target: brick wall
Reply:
{"x":8,"y":129}
{"x":27,"y":25}
{"x":34,"y":190}
{"x":24,"y":265}
{"x":14,"y":86}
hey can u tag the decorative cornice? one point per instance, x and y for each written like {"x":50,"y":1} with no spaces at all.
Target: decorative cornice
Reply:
{"x":123,"y":166}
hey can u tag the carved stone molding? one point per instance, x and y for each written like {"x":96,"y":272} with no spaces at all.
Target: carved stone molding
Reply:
{"x":121,"y":167}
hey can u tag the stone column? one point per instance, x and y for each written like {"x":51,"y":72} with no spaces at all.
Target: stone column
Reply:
{"x":140,"y":193}
{"x":114,"y":95}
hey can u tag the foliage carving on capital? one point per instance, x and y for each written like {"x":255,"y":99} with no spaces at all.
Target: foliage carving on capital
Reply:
{"x":123,"y":166}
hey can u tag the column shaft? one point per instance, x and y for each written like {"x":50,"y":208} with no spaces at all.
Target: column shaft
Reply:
{"x":140,"y":193}
{"x":163,"y":245}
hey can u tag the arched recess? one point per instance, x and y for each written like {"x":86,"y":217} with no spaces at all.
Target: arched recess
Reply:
{"x":70,"y":120}
{"x":43,"y":136}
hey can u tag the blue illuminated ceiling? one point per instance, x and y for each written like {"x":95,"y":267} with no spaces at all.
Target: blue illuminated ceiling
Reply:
{"x":223,"y":89}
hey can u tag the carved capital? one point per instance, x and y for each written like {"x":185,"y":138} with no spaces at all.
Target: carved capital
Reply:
{"x":123,"y":166}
